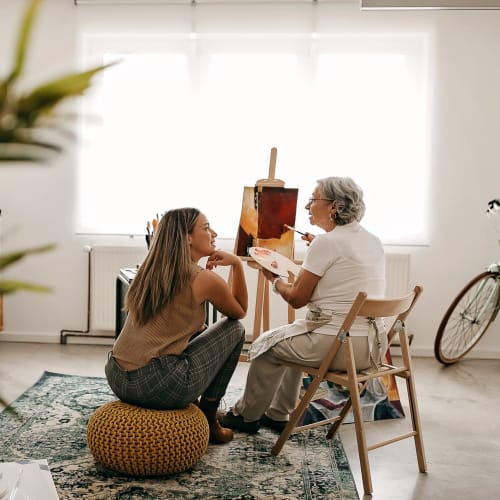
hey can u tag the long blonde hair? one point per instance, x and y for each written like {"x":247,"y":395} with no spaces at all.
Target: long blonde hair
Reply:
{"x":167,"y":268}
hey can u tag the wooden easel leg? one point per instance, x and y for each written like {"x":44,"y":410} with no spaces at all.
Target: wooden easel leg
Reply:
{"x":265,"y":312}
{"x":262,"y":306}
{"x":259,"y":303}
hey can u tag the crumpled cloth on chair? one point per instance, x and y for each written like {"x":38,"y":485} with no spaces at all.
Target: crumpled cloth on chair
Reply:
{"x":316,"y":318}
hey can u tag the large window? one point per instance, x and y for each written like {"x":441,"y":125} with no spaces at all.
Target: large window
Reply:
{"x":190,"y":119}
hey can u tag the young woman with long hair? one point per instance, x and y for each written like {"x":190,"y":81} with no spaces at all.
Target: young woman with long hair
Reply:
{"x":165,"y":357}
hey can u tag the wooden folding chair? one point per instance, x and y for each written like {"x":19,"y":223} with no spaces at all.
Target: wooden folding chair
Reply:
{"x":398,"y":309}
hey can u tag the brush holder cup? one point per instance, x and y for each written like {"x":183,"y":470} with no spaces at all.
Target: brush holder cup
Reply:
{"x":144,"y":442}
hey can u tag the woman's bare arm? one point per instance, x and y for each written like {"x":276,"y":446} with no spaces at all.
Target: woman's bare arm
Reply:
{"x":229,"y":301}
{"x":298,"y":293}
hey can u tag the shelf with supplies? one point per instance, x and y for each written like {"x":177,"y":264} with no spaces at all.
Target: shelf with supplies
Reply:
{"x":123,"y":280}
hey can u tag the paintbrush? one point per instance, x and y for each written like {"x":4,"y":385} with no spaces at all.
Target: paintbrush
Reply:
{"x":286,"y":226}
{"x":148,"y":235}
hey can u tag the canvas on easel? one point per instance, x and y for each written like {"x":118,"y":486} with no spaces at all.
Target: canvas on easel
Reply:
{"x":266,"y":209}
{"x":264,"y":213}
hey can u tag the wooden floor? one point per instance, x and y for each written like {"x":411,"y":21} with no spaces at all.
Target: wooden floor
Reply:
{"x":459,"y":406}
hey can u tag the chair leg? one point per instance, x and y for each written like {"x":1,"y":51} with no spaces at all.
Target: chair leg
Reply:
{"x":359,"y":423}
{"x":412,"y":400}
{"x":296,"y":414}
{"x":336,"y":425}
{"x":342,"y":415}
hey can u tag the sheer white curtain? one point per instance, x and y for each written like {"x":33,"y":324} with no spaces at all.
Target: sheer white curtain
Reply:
{"x":190,"y":118}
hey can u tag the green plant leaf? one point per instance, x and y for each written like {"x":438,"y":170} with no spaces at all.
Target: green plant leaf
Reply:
{"x":22,"y":41}
{"x":8,"y":408}
{"x":8,"y":259}
{"x":42,"y":99}
{"x":3,"y":93}
{"x":10,"y":286}
{"x":26,"y":151}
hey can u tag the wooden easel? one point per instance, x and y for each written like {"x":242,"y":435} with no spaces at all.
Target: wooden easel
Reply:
{"x":261,"y":317}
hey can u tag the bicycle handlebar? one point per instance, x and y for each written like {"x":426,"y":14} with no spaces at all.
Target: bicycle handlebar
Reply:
{"x":493,"y":205}
{"x":491,"y":213}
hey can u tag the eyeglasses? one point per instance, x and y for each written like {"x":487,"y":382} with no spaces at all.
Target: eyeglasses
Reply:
{"x":311,"y":200}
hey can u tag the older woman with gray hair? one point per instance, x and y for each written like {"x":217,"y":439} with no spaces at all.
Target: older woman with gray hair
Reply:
{"x":338,"y":264}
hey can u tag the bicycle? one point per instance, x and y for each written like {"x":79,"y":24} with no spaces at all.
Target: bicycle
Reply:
{"x":472,"y":311}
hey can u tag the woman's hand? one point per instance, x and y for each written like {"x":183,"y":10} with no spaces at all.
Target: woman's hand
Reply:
{"x":221,"y":258}
{"x":230,"y":301}
{"x":268,"y":274}
{"x":308,"y":237}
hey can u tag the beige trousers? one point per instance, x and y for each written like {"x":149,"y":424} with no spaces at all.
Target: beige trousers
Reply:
{"x":273,"y":388}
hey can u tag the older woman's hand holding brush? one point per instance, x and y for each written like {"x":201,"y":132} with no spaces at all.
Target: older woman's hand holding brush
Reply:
{"x":308,"y":237}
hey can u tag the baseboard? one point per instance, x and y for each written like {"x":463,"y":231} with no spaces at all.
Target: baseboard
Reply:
{"x":426,"y":352}
{"x":54,"y":338}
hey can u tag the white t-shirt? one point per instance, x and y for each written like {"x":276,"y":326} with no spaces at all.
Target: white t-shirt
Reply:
{"x":348,"y":260}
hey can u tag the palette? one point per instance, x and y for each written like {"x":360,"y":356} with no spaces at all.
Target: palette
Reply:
{"x":274,"y":261}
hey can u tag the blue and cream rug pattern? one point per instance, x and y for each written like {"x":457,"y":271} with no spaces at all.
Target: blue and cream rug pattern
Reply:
{"x":51,"y":424}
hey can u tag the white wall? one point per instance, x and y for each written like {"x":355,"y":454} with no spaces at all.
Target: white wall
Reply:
{"x":38,"y":201}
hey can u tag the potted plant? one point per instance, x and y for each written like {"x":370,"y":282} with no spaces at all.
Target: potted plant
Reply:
{"x":30,"y":128}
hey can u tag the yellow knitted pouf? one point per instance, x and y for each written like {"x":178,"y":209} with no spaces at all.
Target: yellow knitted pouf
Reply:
{"x":144,"y":442}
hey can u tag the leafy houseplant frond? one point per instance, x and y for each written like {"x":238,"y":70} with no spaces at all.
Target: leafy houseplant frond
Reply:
{"x":24,"y":128}
{"x":10,"y":258}
{"x":43,"y":99}
{"x":22,"y":42}
{"x":22,"y":116}
{"x":11,"y":286}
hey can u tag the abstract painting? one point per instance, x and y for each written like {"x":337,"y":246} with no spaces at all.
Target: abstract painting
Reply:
{"x":264,"y":213}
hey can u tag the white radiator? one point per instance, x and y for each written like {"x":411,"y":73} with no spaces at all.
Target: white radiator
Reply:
{"x":106,"y":262}
{"x":105,"y":265}
{"x":397,"y":274}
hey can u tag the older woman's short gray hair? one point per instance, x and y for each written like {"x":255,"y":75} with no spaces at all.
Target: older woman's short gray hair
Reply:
{"x":347,"y":194}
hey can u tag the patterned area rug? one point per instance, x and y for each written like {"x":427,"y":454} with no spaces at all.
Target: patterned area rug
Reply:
{"x":379,"y":401}
{"x":52,"y":421}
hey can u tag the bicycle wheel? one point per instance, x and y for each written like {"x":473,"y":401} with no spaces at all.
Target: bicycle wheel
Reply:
{"x":467,"y":319}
